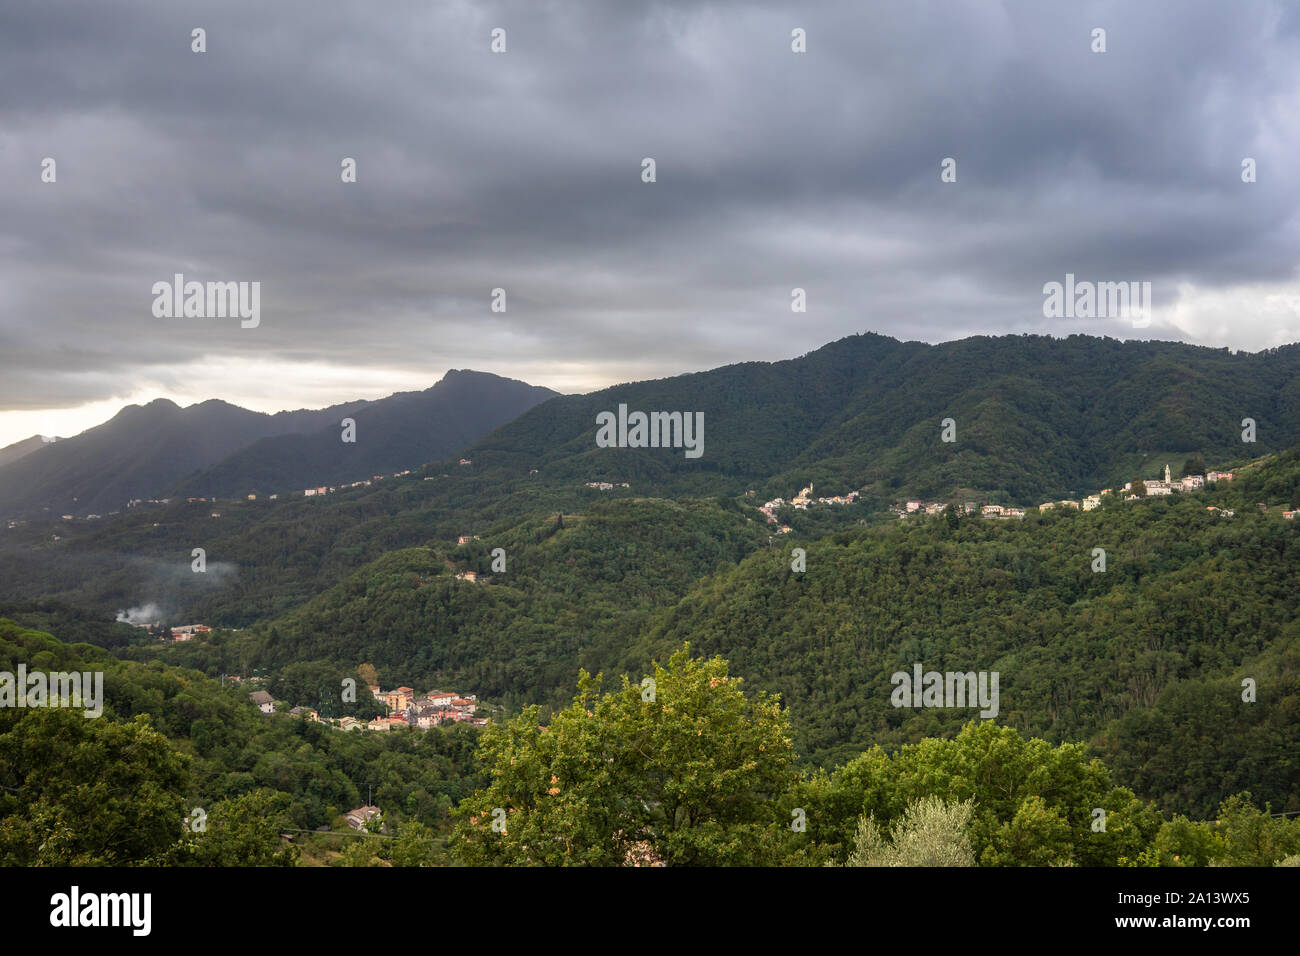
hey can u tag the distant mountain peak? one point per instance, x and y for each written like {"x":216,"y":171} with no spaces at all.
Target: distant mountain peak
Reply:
{"x":159,"y":406}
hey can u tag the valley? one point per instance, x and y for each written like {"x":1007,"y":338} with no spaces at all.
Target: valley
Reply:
{"x":505,"y":569}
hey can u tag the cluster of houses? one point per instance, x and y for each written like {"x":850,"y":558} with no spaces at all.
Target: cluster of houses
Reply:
{"x":996,"y":511}
{"x":970,"y":507}
{"x":606,"y":485}
{"x":187,"y":632}
{"x":1158,"y":488}
{"x":405,"y":709}
{"x":801,"y":502}
{"x":330,"y":489}
{"x":1168,"y":486}
{"x":307,"y":493}
{"x":1153,"y":488}
{"x":433,"y":709}
{"x":182,"y":632}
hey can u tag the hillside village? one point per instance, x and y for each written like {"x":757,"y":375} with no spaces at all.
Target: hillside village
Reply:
{"x":1155,"y":488}
{"x":329,"y":489}
{"x":405,"y":709}
{"x":317,"y":492}
{"x":801,"y":502}
{"x":320,"y":491}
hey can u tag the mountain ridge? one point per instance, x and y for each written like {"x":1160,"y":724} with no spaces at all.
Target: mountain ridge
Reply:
{"x":873,"y":423}
{"x":159,"y":449}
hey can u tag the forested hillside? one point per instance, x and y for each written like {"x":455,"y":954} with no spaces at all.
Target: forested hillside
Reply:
{"x":576,"y":591}
{"x":393,"y":434}
{"x":1035,"y":418}
{"x":1146,"y":658}
{"x":1145,"y":662}
{"x":116,"y":789}
{"x":21,"y":449}
{"x":139,"y":453}
{"x":1191,"y":603}
{"x":179,"y":771}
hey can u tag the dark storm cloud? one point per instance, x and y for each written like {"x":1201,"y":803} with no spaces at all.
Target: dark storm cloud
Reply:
{"x":522,"y":170}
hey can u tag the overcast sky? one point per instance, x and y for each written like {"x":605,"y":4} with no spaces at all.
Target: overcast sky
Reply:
{"x":523,"y":170}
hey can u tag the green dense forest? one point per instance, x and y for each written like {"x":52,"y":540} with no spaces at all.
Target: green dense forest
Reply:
{"x":1036,"y":418}
{"x":1144,"y":660}
{"x":684,"y":767}
{"x":576,"y":591}
{"x":1150,"y":646}
{"x":120,"y":788}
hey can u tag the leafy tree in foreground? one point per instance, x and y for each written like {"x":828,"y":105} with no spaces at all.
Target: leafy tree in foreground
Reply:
{"x":931,"y":833}
{"x":86,"y":792}
{"x":1242,"y":835}
{"x":1249,"y":836}
{"x":414,"y":845}
{"x":684,"y":770}
{"x":1034,"y":804}
{"x":359,"y":852}
{"x":241,"y":831}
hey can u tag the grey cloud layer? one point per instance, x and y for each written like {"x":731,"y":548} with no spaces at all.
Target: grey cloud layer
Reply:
{"x":522,"y":170}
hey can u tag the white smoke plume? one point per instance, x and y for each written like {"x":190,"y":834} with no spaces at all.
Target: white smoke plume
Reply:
{"x":147,"y":614}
